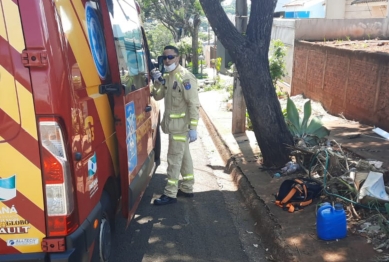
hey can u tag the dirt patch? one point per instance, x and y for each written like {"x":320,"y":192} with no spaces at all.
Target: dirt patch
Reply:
{"x":365,"y":45}
{"x":292,"y":236}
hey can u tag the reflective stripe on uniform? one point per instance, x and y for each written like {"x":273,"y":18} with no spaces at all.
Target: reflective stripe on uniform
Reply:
{"x":179,"y":138}
{"x":188,"y":177}
{"x":172,"y":182}
{"x":178,"y":77}
{"x":157,"y":91}
{"x":174,"y":116}
{"x":194,"y":122}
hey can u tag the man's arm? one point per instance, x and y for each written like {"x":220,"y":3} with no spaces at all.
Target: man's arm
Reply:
{"x":191,"y":97}
{"x":158,"y":90}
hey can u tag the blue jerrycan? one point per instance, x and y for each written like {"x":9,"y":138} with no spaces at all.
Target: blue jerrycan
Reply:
{"x":331,"y":223}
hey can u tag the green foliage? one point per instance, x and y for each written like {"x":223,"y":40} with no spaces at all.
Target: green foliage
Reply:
{"x":309,"y":129}
{"x":281,"y":93}
{"x":185,"y":46}
{"x":277,"y":60}
{"x":249,"y":124}
{"x":200,"y":49}
{"x":178,"y":16}
{"x":217,"y":63}
{"x":158,"y":37}
{"x":203,"y":37}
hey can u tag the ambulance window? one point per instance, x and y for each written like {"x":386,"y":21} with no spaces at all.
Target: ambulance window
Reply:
{"x":128,"y":43}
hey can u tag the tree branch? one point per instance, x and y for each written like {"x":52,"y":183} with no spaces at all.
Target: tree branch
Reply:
{"x":227,"y":34}
{"x":260,"y":23}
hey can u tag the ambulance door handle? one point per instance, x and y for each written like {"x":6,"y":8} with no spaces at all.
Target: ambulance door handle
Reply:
{"x":148,"y":108}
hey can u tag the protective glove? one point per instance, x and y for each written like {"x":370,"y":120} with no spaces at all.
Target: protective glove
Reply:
{"x":192,"y":135}
{"x":156,"y":75}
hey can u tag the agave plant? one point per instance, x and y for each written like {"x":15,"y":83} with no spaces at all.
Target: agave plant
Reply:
{"x":309,"y":129}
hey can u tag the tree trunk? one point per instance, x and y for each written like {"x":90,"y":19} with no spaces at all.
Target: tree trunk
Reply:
{"x":250,"y":53}
{"x":264,"y":108}
{"x":195,"y":44}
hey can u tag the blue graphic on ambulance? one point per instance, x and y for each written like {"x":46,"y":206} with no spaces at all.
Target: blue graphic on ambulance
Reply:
{"x":131,"y":136}
{"x":96,"y":41}
{"x":7,"y":188}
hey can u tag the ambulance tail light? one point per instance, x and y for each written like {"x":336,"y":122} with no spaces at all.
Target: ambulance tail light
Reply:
{"x":61,"y":218}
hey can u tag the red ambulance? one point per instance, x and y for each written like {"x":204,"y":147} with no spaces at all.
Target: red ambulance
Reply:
{"x":79,"y":131}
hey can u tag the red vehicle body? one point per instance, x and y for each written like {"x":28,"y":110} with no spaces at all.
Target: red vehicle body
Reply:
{"x":79,"y":130}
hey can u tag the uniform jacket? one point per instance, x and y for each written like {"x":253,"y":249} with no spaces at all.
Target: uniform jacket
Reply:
{"x":181,"y":101}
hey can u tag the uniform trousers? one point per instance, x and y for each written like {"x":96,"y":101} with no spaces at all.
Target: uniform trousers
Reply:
{"x":179,"y":162}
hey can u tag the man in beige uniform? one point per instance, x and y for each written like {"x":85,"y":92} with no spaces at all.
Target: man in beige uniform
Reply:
{"x":179,"y":88}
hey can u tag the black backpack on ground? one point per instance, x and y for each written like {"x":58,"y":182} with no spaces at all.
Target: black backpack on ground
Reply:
{"x":294,"y":194}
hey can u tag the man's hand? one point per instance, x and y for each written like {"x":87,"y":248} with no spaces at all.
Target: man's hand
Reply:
{"x":156,"y":75}
{"x":192,"y":135}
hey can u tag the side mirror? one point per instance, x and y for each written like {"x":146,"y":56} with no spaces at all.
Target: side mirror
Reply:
{"x":161,"y":66}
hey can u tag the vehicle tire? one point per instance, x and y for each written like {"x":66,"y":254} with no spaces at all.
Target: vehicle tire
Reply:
{"x":103,"y":248}
{"x":157,"y":147}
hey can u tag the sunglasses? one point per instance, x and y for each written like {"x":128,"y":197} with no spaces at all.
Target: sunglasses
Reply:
{"x":170,"y":57}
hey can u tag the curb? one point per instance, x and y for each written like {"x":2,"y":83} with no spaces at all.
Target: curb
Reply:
{"x":267,"y":226}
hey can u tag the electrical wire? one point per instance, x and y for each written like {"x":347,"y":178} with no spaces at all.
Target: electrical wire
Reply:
{"x":333,"y":194}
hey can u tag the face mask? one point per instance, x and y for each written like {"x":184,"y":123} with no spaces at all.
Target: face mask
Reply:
{"x":170,"y":68}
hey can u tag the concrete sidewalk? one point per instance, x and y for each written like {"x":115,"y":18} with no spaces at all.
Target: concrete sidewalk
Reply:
{"x":286,"y":236}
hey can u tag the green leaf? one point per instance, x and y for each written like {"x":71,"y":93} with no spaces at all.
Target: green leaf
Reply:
{"x":292,"y":114}
{"x":322,"y":132}
{"x":316,"y":127}
{"x":307,"y":115}
{"x":292,"y":129}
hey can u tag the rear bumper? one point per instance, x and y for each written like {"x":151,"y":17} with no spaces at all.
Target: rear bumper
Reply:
{"x":77,"y":244}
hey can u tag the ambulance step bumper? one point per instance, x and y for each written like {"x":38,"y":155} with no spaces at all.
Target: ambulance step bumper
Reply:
{"x":77,"y":244}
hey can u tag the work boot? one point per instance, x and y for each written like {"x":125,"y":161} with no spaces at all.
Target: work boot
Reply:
{"x":181,"y":193}
{"x":164,"y":200}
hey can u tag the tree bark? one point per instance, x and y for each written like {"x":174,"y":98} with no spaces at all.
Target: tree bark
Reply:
{"x":250,"y":54}
{"x":195,"y":43}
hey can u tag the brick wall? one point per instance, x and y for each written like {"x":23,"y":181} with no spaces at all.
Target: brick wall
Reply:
{"x":354,"y":83}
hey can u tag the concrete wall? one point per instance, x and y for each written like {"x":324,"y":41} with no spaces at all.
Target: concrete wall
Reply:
{"x":284,"y":29}
{"x":366,"y":10}
{"x":289,"y":30}
{"x":335,"y":9}
{"x":354,"y":83}
{"x":320,"y":29}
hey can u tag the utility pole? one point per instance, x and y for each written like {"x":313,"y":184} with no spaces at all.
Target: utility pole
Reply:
{"x":238,"y":103}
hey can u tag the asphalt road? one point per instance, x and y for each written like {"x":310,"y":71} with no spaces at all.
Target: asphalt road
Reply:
{"x":215,"y":225}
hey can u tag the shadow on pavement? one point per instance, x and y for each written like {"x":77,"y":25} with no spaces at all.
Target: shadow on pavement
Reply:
{"x":193,"y":229}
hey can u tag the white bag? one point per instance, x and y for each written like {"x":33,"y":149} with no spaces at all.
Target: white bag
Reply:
{"x":374,"y":187}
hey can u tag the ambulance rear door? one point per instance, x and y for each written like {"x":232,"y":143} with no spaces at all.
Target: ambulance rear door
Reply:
{"x":22,"y":218}
{"x":133,"y":108}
